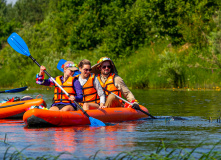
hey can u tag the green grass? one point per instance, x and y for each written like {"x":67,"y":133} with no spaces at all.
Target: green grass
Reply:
{"x":159,"y":66}
{"x":152,"y":67}
{"x":172,"y":150}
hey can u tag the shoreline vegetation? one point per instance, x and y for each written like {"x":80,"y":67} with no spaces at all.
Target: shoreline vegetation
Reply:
{"x":154,"y":44}
{"x":47,"y":88}
{"x":165,"y":151}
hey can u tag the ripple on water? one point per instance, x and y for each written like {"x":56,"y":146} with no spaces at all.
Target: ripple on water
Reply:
{"x":199,"y":112}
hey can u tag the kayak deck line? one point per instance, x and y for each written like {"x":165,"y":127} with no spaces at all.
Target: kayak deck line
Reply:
{"x":12,"y":105}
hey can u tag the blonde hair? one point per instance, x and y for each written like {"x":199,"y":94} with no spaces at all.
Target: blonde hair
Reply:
{"x":84,"y":62}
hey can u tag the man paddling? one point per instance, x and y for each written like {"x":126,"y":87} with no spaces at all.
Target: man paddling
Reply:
{"x":108,"y":78}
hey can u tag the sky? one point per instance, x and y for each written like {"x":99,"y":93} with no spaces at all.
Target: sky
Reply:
{"x":11,"y":1}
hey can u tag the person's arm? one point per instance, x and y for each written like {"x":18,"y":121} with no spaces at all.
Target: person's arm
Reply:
{"x":119,"y":83}
{"x":78,"y":89}
{"x":100,"y":91}
{"x":40,"y":78}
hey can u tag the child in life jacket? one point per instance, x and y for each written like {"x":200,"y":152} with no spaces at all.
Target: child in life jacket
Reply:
{"x":70,"y":84}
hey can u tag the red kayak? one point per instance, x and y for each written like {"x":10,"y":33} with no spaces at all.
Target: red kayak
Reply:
{"x":17,"y":109}
{"x":40,"y":117}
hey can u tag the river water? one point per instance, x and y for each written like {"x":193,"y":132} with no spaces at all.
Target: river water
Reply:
{"x":198,"y":110}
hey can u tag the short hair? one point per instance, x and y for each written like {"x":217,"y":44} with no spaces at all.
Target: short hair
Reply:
{"x":84,"y":62}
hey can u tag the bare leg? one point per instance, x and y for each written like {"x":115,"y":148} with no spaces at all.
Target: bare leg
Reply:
{"x":67,"y":108}
{"x":88,"y":106}
{"x":112,"y":101}
{"x":54,"y":108}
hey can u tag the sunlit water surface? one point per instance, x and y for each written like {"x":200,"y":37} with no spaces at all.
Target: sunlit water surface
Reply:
{"x":195,"y":107}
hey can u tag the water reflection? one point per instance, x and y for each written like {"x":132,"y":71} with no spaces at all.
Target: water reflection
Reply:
{"x":181,"y":103}
{"x":84,"y":140}
{"x":200,"y":109}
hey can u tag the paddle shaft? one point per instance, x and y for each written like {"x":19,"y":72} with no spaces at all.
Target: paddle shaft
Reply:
{"x":34,"y":60}
{"x":138,"y":108}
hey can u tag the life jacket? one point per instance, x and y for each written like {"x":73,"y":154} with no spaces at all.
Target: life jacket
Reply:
{"x":59,"y":95}
{"x":89,"y":92}
{"x":109,"y":85}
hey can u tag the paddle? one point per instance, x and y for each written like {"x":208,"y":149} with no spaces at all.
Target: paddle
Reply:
{"x":14,"y":90}
{"x":19,"y":45}
{"x":134,"y":105}
{"x":61,"y":63}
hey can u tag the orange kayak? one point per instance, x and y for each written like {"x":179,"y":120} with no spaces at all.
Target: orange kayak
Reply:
{"x":18,"y":108}
{"x":40,"y":118}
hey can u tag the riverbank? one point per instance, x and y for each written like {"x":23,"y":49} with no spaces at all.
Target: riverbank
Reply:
{"x":152,"y":67}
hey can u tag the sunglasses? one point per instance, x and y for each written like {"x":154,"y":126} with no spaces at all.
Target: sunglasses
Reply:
{"x":103,"y":67}
{"x":87,"y":70}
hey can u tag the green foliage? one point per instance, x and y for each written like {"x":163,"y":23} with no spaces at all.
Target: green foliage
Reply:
{"x":120,"y":29}
{"x":140,"y":69}
{"x":171,"y":68}
{"x":116,"y":27}
{"x":5,"y":29}
{"x":33,"y":11}
{"x":210,"y":58}
{"x":197,"y":22}
{"x":6,"y":26}
{"x":215,"y":36}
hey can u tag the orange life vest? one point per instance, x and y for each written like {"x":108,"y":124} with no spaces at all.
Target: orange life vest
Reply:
{"x":109,"y":85}
{"x":59,"y":95}
{"x":89,"y":92}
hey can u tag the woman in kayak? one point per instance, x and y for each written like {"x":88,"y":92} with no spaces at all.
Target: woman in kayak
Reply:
{"x":93,"y":94}
{"x":70,"y":84}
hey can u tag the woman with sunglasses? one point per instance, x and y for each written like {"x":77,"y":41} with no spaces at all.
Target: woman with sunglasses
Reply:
{"x":93,"y":94}
{"x":108,"y":78}
{"x":69,"y":83}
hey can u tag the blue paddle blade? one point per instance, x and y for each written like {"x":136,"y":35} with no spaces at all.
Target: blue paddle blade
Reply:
{"x":59,"y":67}
{"x":18,"y":44}
{"x":76,"y":73}
{"x":96,"y":122}
{"x":15,"y":90}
